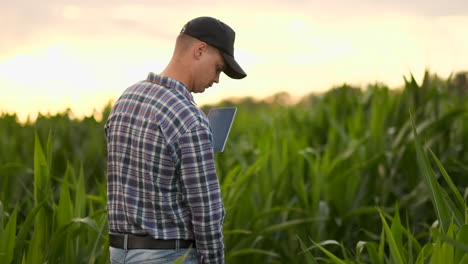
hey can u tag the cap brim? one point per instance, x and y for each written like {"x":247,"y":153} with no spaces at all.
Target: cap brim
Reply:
{"x":232,"y":69}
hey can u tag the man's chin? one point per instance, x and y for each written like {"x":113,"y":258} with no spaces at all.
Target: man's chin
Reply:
{"x":200,"y":91}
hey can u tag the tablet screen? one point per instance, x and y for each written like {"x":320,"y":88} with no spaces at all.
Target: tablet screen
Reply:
{"x":221,"y":120}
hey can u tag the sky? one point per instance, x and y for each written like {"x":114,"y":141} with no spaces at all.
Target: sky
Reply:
{"x":83,"y":54}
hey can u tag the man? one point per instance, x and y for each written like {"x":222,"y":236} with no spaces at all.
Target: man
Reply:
{"x":164,"y":199}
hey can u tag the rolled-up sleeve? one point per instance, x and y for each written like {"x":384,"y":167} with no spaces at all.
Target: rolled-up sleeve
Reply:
{"x":202,"y":192}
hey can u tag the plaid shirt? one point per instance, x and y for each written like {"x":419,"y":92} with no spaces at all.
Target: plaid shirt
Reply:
{"x":161,"y":173}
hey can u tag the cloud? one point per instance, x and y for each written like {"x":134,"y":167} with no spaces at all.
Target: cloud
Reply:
{"x":432,"y":8}
{"x":25,"y":17}
{"x":42,"y":23}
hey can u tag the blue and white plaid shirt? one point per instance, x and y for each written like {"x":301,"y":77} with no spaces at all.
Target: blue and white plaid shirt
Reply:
{"x":161,"y":172}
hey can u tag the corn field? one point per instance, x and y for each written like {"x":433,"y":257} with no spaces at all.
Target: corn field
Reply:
{"x":349,"y":176}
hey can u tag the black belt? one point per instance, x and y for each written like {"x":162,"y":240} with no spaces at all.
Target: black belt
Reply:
{"x":130,"y":241}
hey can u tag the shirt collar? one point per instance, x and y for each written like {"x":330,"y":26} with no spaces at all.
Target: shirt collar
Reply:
{"x":170,"y":83}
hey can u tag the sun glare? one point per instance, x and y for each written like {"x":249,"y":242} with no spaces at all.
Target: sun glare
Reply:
{"x":285,"y":50}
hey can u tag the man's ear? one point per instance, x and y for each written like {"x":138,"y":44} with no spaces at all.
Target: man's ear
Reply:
{"x":199,"y":49}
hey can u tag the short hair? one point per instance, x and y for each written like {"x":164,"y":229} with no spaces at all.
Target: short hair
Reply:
{"x":183,"y":43}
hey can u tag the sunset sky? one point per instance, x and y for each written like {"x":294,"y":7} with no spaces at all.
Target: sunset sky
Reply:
{"x":82,"y":54}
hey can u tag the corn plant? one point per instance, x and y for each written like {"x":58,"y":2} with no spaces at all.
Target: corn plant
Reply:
{"x":346,"y":176}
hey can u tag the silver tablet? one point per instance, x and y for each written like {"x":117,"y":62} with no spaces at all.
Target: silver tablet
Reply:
{"x":221,"y":120}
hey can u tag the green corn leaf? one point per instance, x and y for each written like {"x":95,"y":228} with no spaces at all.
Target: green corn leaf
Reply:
{"x":455,"y":211}
{"x":181,"y":259}
{"x":395,"y":253}
{"x":252,"y":251}
{"x":87,"y":221}
{"x":333,"y":258}
{"x":424,"y":254}
{"x":41,"y":173}
{"x":323,"y":243}
{"x":382,"y":246}
{"x":305,"y":251}
{"x":49,"y":150}
{"x":237,"y":232}
{"x":464,"y":259}
{"x":288,"y":224}
{"x":80,"y":195}
{"x":36,"y":250}
{"x":1,"y":218}
{"x":462,"y":238}
{"x":229,"y":178}
{"x":431,"y":182}
{"x":98,"y":240}
{"x":38,"y":247}
{"x":65,"y":206}
{"x":397,"y":232}
{"x":461,"y":245}
{"x":411,"y":242}
{"x":25,"y":229}
{"x":448,"y":248}
{"x":459,"y":202}
{"x":372,"y":250}
{"x":8,"y":240}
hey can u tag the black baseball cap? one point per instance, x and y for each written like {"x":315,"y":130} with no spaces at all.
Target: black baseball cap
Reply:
{"x":219,"y":35}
